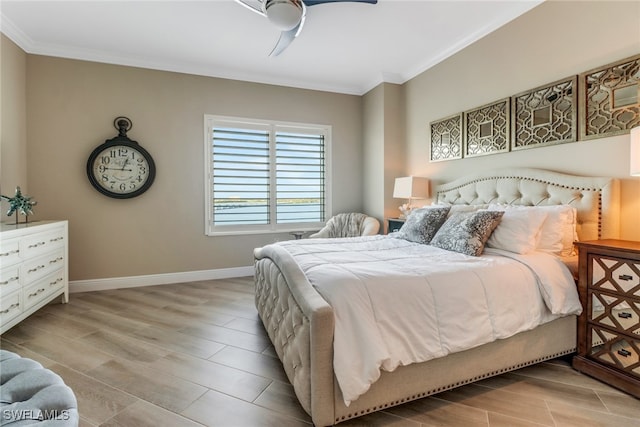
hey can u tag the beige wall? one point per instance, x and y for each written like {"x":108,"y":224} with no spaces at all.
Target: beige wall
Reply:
{"x":13,"y":122}
{"x":71,"y":107}
{"x":553,"y":41}
{"x":384,"y":155}
{"x":373,"y":151}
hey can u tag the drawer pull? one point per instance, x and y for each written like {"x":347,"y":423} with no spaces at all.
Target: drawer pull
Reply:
{"x":10,"y":279}
{"x":10,"y":253}
{"x":53,"y":261}
{"x":39,"y":291}
{"x":58,"y":280}
{"x":624,"y":315}
{"x":623,"y":352}
{"x":35,"y":245}
{"x":56,"y":239}
{"x":35,"y":269}
{"x":11,"y":307}
{"x":625,"y":277}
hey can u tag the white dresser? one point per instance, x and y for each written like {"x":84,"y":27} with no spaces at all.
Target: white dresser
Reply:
{"x":33,"y":268}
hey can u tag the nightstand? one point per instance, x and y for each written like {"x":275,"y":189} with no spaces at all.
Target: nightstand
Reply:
{"x":609,"y":326}
{"x":394,"y":224}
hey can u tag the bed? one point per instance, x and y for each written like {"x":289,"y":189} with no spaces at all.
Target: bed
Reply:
{"x":301,"y":323}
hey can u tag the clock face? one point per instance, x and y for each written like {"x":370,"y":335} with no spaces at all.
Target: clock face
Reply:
{"x":121,"y":170}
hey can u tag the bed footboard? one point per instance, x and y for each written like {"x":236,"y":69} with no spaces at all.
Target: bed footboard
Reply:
{"x":297,"y":319}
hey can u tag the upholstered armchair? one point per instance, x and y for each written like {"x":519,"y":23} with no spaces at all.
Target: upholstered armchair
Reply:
{"x":349,"y":225}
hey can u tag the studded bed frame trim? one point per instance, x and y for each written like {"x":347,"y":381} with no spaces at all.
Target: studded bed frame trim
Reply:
{"x":300,"y":323}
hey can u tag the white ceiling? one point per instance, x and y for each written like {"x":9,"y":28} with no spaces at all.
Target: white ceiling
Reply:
{"x":344,"y":47}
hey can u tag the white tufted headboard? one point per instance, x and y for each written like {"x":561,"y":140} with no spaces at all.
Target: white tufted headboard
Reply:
{"x":596,"y":199}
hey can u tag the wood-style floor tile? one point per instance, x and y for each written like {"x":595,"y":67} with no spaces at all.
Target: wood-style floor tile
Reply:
{"x":437,"y":412}
{"x":217,"y":409}
{"x":246,"y":325}
{"x":144,"y":414}
{"x":109,"y":302}
{"x":196,"y":353}
{"x":74,"y":354}
{"x":178,"y":341}
{"x":250,"y":361}
{"x":620,"y":403}
{"x":170,"y":297}
{"x":124,"y":347}
{"x":561,"y":371}
{"x":25,"y":352}
{"x":280,"y":397}
{"x":231,"y":381}
{"x":202,"y":314}
{"x":228,"y":336}
{"x":380,"y":419}
{"x":545,"y":390}
{"x":97,"y":401}
{"x":571,"y":416}
{"x":85,"y":423}
{"x":105,"y":320}
{"x":499,"y":420}
{"x":528,"y":408}
{"x":154,"y":386}
{"x":158,"y":317}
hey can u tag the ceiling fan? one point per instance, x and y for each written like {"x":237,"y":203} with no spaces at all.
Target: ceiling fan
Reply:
{"x":288,"y":16}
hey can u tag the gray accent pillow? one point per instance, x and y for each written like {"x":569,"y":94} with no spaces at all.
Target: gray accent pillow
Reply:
{"x":467,"y":232}
{"x":422,"y":224}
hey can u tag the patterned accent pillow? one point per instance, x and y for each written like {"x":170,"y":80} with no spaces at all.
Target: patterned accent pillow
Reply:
{"x":467,"y":232}
{"x":422,"y":224}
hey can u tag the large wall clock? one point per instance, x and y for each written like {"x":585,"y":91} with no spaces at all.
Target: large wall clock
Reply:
{"x":121,"y":168}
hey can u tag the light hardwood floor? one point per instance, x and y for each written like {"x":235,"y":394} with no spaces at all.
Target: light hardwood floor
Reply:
{"x":194,"y":354}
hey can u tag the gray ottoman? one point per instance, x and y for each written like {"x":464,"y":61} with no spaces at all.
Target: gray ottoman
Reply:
{"x":33,"y":395}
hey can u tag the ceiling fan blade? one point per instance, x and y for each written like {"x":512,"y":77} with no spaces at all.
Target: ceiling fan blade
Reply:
{"x":315,"y":2}
{"x":286,"y":37}
{"x":252,"y":7}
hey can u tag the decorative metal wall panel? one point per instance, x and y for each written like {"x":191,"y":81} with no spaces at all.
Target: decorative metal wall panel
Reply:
{"x":486,"y":129}
{"x":446,"y":138}
{"x":545,"y":116}
{"x":610,"y":99}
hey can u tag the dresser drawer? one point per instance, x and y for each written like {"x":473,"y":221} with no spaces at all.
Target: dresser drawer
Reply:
{"x":9,"y":280}
{"x":9,"y":252}
{"x":34,"y":245}
{"x":616,"y":350}
{"x":41,"y":289}
{"x":615,"y":275}
{"x":10,"y":307}
{"x":616,"y":312}
{"x":41,"y":266}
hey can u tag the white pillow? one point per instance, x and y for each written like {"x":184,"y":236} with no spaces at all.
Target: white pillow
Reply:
{"x":519,"y":230}
{"x":460,"y":208}
{"x":558,"y":230}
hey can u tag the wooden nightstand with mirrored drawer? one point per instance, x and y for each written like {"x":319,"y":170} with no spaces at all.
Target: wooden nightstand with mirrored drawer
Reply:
{"x":609,"y":326}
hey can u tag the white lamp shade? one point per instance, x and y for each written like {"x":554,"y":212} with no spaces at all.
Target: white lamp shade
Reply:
{"x":634,"y":152}
{"x":411,"y":187}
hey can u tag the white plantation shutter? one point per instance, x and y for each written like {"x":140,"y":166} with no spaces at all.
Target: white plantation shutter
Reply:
{"x":265,"y":177}
{"x":240,"y":176}
{"x":300,"y":175}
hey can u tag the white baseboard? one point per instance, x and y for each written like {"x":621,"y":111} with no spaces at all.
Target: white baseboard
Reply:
{"x":158,"y":279}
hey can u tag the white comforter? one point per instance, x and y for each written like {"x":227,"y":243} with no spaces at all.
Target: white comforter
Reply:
{"x":398,"y":302}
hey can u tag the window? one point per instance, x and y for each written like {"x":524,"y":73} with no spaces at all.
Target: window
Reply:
{"x":265,"y":176}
